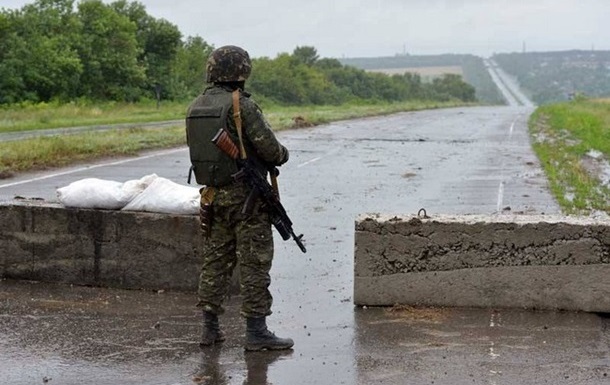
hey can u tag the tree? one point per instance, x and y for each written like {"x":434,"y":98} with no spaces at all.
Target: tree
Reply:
{"x":188,"y":71}
{"x":275,"y":79}
{"x":327,"y":64}
{"x":38,"y":59}
{"x":452,"y":86}
{"x":109,"y":52}
{"x":306,"y":55}
{"x":158,"y":42}
{"x":12,"y":86}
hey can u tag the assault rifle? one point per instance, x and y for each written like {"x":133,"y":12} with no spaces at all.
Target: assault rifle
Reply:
{"x":260,"y":188}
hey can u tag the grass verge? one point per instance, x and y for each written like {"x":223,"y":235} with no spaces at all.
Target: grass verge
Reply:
{"x":57,"y":151}
{"x":572,"y":141}
{"x":52,"y":115}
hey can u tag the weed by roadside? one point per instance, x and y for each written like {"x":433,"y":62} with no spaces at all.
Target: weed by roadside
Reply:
{"x":572,"y":141}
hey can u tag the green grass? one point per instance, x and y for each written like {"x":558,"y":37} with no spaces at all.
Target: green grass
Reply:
{"x":52,"y":115}
{"x":562,"y":136}
{"x":57,"y":151}
{"x":283,"y":117}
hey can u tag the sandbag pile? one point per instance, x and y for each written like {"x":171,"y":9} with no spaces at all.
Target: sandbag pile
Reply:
{"x":150,"y":193}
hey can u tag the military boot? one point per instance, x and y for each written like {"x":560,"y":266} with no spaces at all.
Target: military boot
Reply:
{"x":258,"y":337}
{"x":211,"y":330}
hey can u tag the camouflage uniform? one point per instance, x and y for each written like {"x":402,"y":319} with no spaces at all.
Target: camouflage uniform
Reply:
{"x":237,"y":238}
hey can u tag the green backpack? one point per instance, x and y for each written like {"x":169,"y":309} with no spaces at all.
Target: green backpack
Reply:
{"x":206,"y":115}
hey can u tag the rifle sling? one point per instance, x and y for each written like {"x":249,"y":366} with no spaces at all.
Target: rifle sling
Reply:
{"x":237,"y":118}
{"x":275,"y":186}
{"x":242,"y":148}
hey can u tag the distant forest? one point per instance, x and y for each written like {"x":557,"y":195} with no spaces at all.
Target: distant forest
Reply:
{"x":558,"y":76}
{"x":475,"y":72}
{"x":54,"y":51}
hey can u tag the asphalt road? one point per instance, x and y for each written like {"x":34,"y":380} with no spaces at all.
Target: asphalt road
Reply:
{"x":454,"y":161}
{"x":507,"y":85}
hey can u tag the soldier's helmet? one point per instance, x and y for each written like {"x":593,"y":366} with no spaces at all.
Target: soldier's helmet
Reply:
{"x":228,"y":64}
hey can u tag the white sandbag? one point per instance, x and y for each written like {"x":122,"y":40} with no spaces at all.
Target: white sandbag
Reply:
{"x":97,"y":193}
{"x":92,"y":193}
{"x":165,"y":196}
{"x":136,"y":186}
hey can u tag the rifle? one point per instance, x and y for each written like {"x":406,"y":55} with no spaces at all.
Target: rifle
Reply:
{"x":260,"y":187}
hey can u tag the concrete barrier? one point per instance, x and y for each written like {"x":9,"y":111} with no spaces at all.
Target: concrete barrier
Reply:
{"x":483,"y":261}
{"x":47,"y":242}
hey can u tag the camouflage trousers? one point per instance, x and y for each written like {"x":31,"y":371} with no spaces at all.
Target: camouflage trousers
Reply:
{"x":237,"y":239}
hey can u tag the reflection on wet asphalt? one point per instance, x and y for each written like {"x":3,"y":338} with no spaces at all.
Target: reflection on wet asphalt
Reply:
{"x":67,"y":334}
{"x":470,"y":161}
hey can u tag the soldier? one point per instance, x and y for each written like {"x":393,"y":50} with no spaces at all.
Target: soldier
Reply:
{"x":233,"y":236}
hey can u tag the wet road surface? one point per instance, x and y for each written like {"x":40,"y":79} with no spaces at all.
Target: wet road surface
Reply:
{"x":78,"y":335}
{"x":455,"y":161}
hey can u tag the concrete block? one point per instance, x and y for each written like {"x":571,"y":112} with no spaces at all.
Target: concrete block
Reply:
{"x":14,"y":220}
{"x":47,"y":242}
{"x":545,"y":262}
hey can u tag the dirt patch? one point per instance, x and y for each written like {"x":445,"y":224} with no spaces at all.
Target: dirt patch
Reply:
{"x":5,"y":174}
{"x":597,"y":166}
{"x":51,"y":304}
{"x":430,"y":314}
{"x":301,"y":122}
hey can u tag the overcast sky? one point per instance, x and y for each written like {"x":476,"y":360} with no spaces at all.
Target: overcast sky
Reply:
{"x":357,"y":28}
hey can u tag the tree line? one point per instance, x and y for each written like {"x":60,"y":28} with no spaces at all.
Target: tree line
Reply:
{"x":473,"y":68}
{"x":303,"y":78}
{"x":57,"y":50}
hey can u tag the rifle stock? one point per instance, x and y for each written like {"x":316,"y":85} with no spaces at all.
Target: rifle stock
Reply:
{"x":259,"y":184}
{"x":223,"y":141}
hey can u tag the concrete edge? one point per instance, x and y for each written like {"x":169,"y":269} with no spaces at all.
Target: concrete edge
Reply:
{"x":575,"y":288}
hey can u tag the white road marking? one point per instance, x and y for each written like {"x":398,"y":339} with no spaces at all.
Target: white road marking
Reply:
{"x":91,"y":168}
{"x":492,"y":351}
{"x":309,"y":162}
{"x":318,"y":158}
{"x":500,"y":196}
{"x":502,"y":181}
